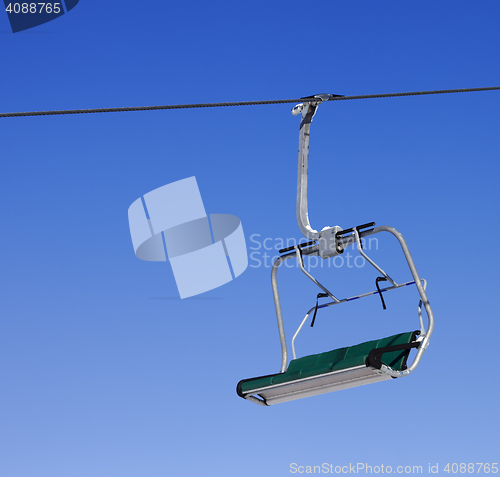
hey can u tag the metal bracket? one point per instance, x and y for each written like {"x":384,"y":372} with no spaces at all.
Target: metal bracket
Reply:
{"x":329,"y":244}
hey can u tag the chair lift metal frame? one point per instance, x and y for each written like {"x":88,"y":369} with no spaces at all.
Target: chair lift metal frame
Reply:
{"x":331,"y":242}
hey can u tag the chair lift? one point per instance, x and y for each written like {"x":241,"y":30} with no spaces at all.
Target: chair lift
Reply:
{"x":343,"y":368}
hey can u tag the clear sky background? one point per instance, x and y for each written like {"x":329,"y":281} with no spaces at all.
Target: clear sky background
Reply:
{"x":105,"y":372}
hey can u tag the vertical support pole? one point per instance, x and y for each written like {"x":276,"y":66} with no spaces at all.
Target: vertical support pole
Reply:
{"x":308,"y":111}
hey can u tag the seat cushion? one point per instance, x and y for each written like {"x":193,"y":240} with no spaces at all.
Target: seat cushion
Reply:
{"x":336,"y":360}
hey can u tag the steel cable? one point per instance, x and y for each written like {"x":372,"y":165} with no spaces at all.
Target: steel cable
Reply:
{"x":239,"y":103}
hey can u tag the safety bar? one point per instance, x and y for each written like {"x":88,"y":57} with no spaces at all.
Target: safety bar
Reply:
{"x":344,"y":300}
{"x":314,"y":250}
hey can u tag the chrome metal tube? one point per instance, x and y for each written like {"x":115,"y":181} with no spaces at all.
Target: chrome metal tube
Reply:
{"x":369,"y":260}
{"x":274,"y":282}
{"x":421,"y":291}
{"x":308,"y":111}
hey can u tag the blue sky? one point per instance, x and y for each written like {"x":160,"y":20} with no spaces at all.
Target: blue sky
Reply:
{"x":104,"y":372}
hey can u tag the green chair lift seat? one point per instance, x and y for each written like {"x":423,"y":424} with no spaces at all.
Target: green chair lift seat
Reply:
{"x":330,"y":371}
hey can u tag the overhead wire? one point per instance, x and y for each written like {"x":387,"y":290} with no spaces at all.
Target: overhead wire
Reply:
{"x":239,"y":103}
